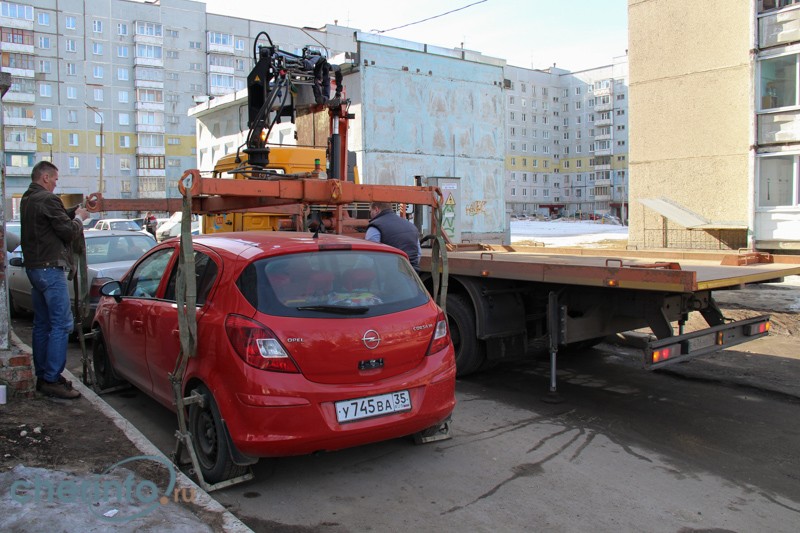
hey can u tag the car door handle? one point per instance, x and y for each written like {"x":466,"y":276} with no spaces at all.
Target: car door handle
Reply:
{"x":138,"y":323}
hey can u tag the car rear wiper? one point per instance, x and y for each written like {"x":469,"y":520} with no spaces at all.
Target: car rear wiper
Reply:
{"x":360,"y":310}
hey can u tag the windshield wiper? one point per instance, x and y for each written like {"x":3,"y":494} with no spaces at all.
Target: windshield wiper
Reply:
{"x":360,"y":310}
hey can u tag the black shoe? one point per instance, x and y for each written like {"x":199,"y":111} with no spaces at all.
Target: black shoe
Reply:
{"x":61,"y":380}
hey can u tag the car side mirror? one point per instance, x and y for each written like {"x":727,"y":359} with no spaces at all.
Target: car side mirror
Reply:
{"x":16,"y":261}
{"x":113,"y":289}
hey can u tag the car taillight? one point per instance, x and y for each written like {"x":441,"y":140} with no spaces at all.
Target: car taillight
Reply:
{"x":94,"y":288}
{"x":257,"y":345}
{"x":441,"y":338}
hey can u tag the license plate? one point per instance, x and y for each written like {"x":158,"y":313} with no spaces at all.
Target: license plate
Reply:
{"x":383,"y":404}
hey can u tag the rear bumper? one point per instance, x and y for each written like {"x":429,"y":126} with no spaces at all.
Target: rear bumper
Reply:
{"x":304,"y":421}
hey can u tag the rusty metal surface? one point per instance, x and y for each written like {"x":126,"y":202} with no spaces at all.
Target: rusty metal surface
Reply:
{"x":609,"y":269}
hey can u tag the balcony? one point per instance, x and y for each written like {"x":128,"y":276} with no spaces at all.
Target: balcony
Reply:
{"x":221,"y":48}
{"x":150,"y":150}
{"x":217,"y":69}
{"x":605,"y":91}
{"x":148,"y":62}
{"x":781,"y":27}
{"x":19,"y":121}
{"x":148,"y":39}
{"x":150,"y":128}
{"x":598,"y":107}
{"x":604,"y":182}
{"x":149,"y":106}
{"x":17,"y":48}
{"x":219,"y":91}
{"x":602,"y":167}
{"x":20,"y":24}
{"x":603,"y":121}
{"x":152,"y":194}
{"x":19,"y":171}
{"x":16,"y":146}
{"x":148,"y":84}
{"x":152,"y":173}
{"x":19,"y":98}
{"x":603,"y":151}
{"x":602,"y":197}
{"x":603,"y":137}
{"x":19,"y":72}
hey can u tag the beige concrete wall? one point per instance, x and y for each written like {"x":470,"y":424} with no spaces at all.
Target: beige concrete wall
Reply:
{"x":690,"y":108}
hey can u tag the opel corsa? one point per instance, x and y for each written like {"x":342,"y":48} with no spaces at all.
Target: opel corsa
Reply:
{"x":304,"y":344}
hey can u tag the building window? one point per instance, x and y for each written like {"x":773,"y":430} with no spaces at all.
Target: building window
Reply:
{"x":778,"y":182}
{"x":513,"y":191}
{"x":99,"y":118}
{"x":44,"y":66}
{"x":148,"y":51}
{"x":69,"y":22}
{"x":172,"y":54}
{"x":98,"y":95}
{"x":45,"y":90}
{"x":240,"y":44}
{"x":74,"y":162}
{"x":97,"y":26}
{"x":122,"y":29}
{"x":124,"y":119}
{"x":69,"y":45}
{"x":779,"y":81}
{"x":44,"y":19}
{"x":46,"y":138}
{"x":123,"y":74}
{"x":46,"y":114}
{"x":16,"y":11}
{"x":123,"y":97}
{"x":71,"y":71}
{"x":125,"y":141}
{"x":72,"y":93}
{"x":125,"y":164}
{"x":223,"y":39}
{"x":44,"y":43}
{"x":123,"y":51}
{"x":172,"y":33}
{"x":97,"y":49}
{"x":195,"y":45}
{"x":148,"y":28}
{"x":195,"y":66}
{"x":97,"y":72}
{"x":150,"y":162}
{"x":72,"y":115}
{"x":72,"y":139}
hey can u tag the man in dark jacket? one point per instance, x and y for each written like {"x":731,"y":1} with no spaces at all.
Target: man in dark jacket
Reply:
{"x":386,"y":227}
{"x":48,"y":230}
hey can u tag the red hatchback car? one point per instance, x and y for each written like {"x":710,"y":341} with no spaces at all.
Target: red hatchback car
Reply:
{"x":304,"y":344}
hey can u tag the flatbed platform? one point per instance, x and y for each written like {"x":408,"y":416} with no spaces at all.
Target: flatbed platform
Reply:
{"x":667,"y":271}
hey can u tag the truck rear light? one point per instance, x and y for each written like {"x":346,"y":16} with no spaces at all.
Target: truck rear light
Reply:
{"x":441,"y":337}
{"x":257,"y":345}
{"x":662,"y":354}
{"x":757,"y":329}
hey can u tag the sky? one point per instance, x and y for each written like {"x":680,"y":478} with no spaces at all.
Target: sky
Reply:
{"x":573,"y":34}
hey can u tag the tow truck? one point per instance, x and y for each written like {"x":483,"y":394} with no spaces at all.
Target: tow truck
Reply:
{"x":500,"y":300}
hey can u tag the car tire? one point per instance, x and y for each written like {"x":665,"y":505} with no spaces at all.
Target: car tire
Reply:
{"x":103,"y":370}
{"x":470,"y":351}
{"x":13,"y":310}
{"x":210,"y":443}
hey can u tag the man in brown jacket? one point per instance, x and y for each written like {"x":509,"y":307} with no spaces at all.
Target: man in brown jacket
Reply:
{"x":48,"y":230}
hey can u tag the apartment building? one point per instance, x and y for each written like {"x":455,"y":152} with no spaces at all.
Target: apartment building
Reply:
{"x":715,"y":111}
{"x":567,"y":141}
{"x":103,"y":88}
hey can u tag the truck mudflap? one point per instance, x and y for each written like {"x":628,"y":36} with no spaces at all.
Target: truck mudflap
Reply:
{"x":669,"y":350}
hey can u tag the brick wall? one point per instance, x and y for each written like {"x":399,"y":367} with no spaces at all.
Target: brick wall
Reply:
{"x":16,"y":370}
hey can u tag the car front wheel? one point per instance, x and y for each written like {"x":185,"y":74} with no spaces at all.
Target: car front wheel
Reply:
{"x":210,"y":443}
{"x":103,"y":371}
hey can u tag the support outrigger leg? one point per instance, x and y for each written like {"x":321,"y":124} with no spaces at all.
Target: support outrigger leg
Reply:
{"x":555,"y":326}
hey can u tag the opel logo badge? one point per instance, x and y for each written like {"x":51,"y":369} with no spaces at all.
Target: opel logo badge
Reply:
{"x":371,"y":339}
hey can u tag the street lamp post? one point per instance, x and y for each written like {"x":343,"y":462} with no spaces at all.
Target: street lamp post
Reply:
{"x":102,"y":144}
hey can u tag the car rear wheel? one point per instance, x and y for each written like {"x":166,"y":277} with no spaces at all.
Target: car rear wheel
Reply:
{"x":470,"y":352}
{"x":210,"y":442}
{"x":103,"y":371}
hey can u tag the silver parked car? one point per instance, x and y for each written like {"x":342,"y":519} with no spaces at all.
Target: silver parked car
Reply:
{"x":109,"y":255}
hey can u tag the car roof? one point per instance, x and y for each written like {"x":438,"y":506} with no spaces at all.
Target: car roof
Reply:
{"x":95,"y":233}
{"x":116,"y":220}
{"x":252,"y":243}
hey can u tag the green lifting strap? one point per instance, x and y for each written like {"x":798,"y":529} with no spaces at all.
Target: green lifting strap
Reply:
{"x":439,"y":268}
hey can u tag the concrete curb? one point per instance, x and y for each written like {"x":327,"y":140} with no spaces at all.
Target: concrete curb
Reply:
{"x":202,"y":499}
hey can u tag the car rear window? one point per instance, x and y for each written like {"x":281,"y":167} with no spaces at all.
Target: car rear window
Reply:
{"x":342,"y":283}
{"x":115,"y":248}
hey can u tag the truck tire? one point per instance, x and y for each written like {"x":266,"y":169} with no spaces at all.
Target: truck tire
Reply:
{"x":470,"y":351}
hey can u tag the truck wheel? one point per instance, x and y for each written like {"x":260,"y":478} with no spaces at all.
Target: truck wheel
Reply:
{"x":470,"y":351}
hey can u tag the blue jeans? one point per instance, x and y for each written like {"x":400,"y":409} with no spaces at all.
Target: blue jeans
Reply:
{"x":52,"y":321}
